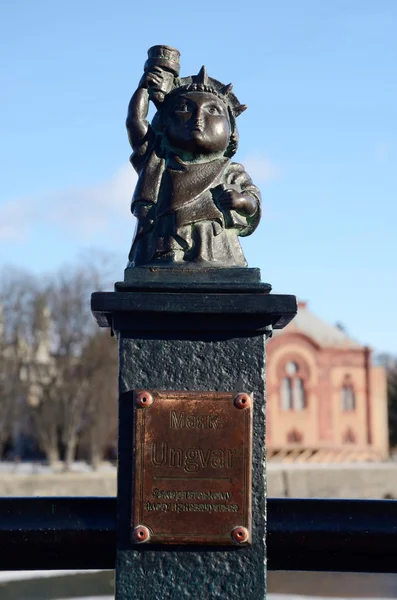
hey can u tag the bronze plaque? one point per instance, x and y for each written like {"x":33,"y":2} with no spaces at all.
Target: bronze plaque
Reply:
{"x":192,"y":467}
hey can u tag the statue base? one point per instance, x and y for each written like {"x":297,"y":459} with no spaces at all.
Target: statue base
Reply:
{"x":176,"y":333}
{"x":192,"y":276}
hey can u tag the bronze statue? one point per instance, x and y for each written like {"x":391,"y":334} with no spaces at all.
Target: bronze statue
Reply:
{"x":191,"y":201}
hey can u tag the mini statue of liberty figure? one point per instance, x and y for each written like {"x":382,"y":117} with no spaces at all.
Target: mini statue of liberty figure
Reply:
{"x":191,"y":201}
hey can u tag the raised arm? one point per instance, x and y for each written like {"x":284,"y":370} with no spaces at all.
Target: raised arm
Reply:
{"x":154,"y":85}
{"x":136,"y":123}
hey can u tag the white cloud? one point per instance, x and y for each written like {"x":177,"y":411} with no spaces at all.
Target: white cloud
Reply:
{"x":88,"y":211}
{"x":15,"y":216}
{"x":83,"y":211}
{"x":261,"y":168}
{"x":383,"y":150}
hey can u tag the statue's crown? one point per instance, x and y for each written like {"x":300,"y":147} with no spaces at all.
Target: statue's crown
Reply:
{"x":202,"y":83}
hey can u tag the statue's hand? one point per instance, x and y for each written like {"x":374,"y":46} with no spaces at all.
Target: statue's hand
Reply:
{"x":157,"y":81}
{"x":150,"y":79}
{"x":233,"y":200}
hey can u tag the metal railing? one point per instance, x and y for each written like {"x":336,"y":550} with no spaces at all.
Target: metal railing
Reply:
{"x":304,"y":535}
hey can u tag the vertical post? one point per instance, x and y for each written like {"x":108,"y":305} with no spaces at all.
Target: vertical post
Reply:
{"x":202,"y":337}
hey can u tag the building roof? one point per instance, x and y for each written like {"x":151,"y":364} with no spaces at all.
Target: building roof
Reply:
{"x":328,"y":336}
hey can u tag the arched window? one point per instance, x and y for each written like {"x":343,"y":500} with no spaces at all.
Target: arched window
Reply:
{"x":347,"y":397}
{"x":294,"y":437}
{"x":292,"y":392}
{"x":349,"y":437}
{"x":286,"y":394}
{"x":298,"y":394}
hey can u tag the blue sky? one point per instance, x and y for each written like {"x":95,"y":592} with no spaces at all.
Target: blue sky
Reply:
{"x":319,"y":137}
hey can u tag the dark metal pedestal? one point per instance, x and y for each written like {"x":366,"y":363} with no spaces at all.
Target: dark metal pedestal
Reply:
{"x":200,"y":340}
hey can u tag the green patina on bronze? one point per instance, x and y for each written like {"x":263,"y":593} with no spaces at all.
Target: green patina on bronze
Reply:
{"x":191,"y":201}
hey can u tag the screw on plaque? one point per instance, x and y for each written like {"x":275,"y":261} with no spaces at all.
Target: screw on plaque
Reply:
{"x":242,"y":401}
{"x":240,"y":535}
{"x":141,"y":534}
{"x":144,"y":399}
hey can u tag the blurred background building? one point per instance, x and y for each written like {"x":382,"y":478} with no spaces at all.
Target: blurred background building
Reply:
{"x":327,"y":401}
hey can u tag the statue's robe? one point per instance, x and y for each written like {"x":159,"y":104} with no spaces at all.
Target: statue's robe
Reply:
{"x":178,"y":218}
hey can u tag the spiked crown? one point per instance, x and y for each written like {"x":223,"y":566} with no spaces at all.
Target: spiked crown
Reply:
{"x":202,"y":83}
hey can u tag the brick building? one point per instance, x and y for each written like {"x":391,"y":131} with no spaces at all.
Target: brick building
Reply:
{"x":326,"y":401}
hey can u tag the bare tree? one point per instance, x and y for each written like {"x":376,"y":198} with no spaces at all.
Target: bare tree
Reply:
{"x":10,"y":391}
{"x":17,"y":292}
{"x":71,"y":325}
{"x":100,"y":361}
{"x":77,"y":364}
{"x":44,"y":404}
{"x":55,"y":361}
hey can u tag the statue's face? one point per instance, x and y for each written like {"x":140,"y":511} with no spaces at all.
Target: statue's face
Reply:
{"x":198,"y":122}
